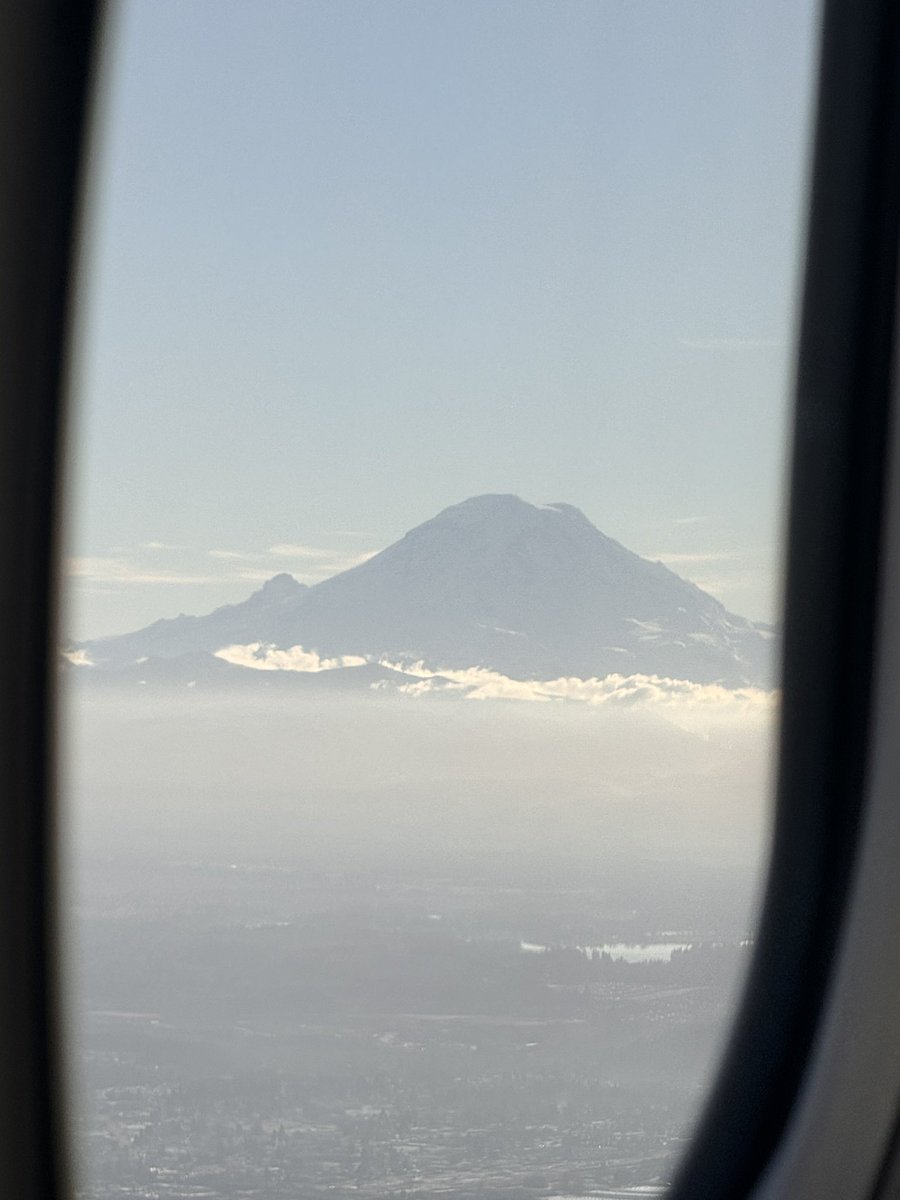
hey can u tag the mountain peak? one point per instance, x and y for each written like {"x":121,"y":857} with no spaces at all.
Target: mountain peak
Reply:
{"x":487,"y":507}
{"x":282,"y":584}
{"x":503,"y":509}
{"x":494,"y":506}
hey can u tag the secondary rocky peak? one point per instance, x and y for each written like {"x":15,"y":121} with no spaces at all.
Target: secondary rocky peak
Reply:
{"x":282,"y":584}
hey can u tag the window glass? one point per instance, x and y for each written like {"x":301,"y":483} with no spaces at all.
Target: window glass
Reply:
{"x":435,"y":360}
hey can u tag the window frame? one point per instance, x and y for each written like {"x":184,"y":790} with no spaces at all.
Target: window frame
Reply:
{"x":46,"y":55}
{"x":839,"y":565}
{"x":779,"y":1122}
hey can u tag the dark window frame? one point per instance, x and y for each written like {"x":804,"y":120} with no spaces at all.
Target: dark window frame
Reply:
{"x":844,"y":383}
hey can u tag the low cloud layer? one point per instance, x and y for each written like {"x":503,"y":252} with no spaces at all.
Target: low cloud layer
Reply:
{"x":672,"y":695}
{"x":692,"y":705}
{"x":270,"y":658}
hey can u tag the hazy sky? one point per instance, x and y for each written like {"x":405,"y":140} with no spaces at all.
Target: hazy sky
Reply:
{"x":355,"y":260}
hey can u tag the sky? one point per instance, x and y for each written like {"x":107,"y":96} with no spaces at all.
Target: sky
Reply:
{"x":349,"y":262}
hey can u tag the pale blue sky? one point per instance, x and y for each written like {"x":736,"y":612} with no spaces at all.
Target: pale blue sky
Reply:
{"x":355,"y":260}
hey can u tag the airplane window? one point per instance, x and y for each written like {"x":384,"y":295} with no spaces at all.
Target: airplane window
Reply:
{"x":422,"y":620}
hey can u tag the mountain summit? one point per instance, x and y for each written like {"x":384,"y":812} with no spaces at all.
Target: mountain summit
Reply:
{"x":533,"y":592}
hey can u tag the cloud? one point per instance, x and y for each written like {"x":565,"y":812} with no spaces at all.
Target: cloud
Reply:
{"x":255,"y":574}
{"x":296,"y":550}
{"x":140,"y":565}
{"x":732,"y":343}
{"x":695,"y":707}
{"x":260,"y":657}
{"x":608,"y":689}
{"x":685,"y":559}
{"x":691,"y":706}
{"x":309,"y":563}
{"x":103,"y":569}
{"x":78,"y":658}
{"x":314,"y":563}
{"x":233,"y":556}
{"x":723,"y":584}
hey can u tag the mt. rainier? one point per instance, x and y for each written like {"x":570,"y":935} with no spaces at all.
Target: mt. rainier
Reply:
{"x":530,"y":592}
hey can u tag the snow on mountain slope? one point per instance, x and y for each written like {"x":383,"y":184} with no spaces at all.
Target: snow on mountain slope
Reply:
{"x":531,"y":592}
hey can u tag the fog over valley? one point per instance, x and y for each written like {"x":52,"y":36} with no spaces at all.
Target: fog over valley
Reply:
{"x":284,"y":775}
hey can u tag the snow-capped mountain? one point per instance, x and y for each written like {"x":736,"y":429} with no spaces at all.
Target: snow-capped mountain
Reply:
{"x":532,"y":592}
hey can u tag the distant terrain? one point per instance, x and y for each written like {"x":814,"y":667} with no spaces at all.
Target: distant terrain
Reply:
{"x":281,"y":1031}
{"x":401,"y":951}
